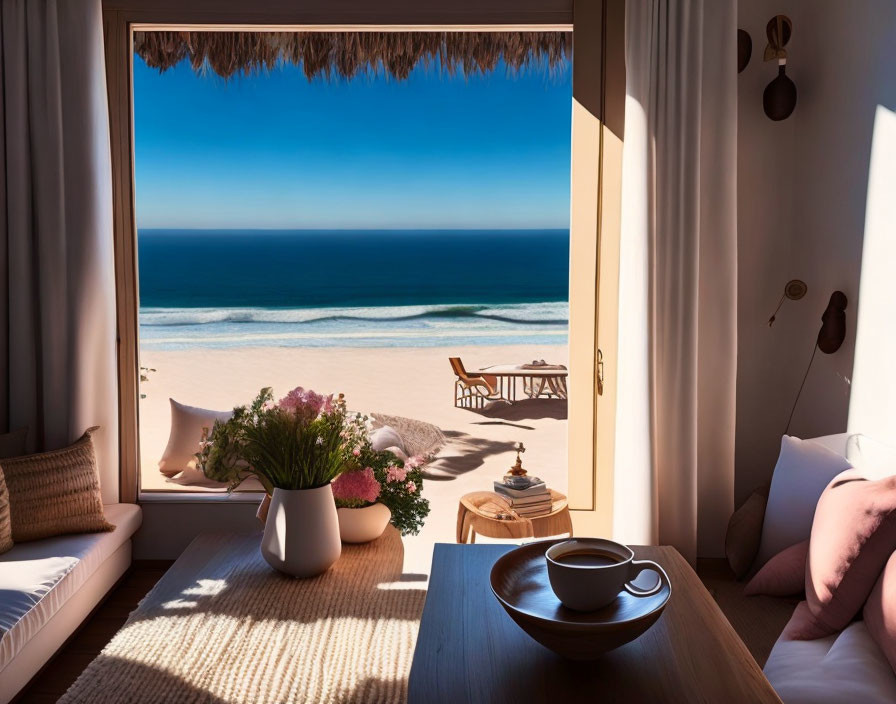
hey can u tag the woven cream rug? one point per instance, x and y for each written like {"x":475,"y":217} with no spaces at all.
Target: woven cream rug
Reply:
{"x":222,"y":626}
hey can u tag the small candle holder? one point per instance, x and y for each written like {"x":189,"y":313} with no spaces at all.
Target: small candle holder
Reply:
{"x":517,"y":469}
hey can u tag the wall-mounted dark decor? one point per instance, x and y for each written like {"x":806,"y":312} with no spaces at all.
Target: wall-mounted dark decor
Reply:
{"x":779,"y":97}
{"x":744,"y":49}
{"x":833,"y":324}
{"x":830,"y":337}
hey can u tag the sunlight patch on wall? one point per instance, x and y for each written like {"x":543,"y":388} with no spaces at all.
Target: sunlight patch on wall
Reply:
{"x":872,"y":406}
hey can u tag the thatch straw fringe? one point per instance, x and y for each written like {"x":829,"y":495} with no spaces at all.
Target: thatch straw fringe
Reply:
{"x":347,"y":54}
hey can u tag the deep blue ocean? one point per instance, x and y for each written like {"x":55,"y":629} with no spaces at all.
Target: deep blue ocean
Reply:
{"x":314,"y":288}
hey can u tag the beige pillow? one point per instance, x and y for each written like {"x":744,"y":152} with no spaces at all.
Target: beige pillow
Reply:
{"x":5,"y":523}
{"x":187,"y":426}
{"x":55,"y":493}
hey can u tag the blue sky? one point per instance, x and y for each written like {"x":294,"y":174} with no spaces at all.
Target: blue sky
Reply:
{"x":275,"y":151}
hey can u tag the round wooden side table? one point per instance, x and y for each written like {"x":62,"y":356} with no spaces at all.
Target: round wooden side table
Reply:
{"x":488,"y":513}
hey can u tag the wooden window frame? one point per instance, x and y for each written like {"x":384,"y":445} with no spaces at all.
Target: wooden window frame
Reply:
{"x":598,"y":97}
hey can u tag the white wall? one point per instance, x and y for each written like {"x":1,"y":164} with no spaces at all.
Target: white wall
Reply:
{"x":801,"y":214}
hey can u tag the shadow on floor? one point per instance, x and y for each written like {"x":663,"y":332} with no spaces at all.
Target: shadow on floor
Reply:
{"x":527,"y":409}
{"x":463,"y":453}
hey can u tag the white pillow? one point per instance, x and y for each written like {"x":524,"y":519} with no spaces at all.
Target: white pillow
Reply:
{"x":875,"y":459}
{"x":803,"y":470}
{"x":398,"y":452}
{"x":835,"y":443}
{"x":187,"y":425}
{"x":385,"y":438}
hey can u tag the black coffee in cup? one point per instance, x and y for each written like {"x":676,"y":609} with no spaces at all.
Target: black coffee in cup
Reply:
{"x":589,"y":558}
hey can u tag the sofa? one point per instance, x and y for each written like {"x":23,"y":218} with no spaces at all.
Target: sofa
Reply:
{"x":848,"y":666}
{"x":49,"y":587}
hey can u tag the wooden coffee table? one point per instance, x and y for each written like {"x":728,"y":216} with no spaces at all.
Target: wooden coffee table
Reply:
{"x":469,"y":650}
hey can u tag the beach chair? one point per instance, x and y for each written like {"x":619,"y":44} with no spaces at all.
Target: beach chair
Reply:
{"x":473,"y":390}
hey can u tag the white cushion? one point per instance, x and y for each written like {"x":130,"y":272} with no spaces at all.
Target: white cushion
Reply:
{"x":803,"y":470}
{"x":398,"y":452}
{"x":845,"y":667}
{"x":386,"y":437}
{"x":38,"y":577}
{"x":835,"y":443}
{"x":187,"y":426}
{"x":875,"y":459}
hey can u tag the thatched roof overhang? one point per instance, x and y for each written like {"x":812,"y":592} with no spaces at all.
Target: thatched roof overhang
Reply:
{"x":347,"y":54}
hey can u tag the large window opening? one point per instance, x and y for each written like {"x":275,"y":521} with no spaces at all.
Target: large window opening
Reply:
{"x":298,"y":226}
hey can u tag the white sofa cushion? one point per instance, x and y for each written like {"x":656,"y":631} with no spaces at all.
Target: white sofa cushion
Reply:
{"x":38,"y":577}
{"x":845,"y":667}
{"x":804,"y":469}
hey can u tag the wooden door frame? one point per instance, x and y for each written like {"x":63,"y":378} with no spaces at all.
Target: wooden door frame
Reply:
{"x":596,"y":201}
{"x":597,"y":58}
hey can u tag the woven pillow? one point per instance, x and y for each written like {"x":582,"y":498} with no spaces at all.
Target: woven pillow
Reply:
{"x":55,"y":493}
{"x":5,"y":523}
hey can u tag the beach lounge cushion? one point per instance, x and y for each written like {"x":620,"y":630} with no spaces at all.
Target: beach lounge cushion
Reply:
{"x":783,"y":575}
{"x":853,"y":536}
{"x":5,"y":521}
{"x":803,"y":470}
{"x":39,"y":577}
{"x":188,"y":424}
{"x":13,"y":444}
{"x":843,"y":667}
{"x":880,"y":611}
{"x":56,"y":492}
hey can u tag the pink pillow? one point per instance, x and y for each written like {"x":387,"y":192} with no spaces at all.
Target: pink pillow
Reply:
{"x":853,"y":536}
{"x":880,"y":611}
{"x":783,"y":575}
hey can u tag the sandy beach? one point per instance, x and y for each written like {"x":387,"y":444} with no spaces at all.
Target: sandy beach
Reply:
{"x":414,"y":382}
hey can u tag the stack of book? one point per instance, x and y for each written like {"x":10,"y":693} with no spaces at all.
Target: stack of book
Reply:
{"x":528,"y":499}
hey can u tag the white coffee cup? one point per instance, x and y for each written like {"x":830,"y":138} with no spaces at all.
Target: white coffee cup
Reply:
{"x":589,"y":573}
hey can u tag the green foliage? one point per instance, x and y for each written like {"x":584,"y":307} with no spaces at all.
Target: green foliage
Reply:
{"x":283,"y":448}
{"x":408,"y":507}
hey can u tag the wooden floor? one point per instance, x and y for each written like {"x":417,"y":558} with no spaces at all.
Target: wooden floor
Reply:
{"x":87,"y":643}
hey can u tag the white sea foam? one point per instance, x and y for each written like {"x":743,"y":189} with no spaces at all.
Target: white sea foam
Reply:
{"x":517,"y":312}
{"x":387,"y":326}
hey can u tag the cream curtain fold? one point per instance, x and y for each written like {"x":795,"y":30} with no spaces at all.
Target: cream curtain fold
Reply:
{"x":674,"y":465}
{"x":57,"y":286}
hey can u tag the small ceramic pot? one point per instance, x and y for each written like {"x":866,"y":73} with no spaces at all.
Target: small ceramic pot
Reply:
{"x":361,"y":525}
{"x":301,"y":533}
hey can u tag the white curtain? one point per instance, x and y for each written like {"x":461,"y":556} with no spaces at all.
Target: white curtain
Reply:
{"x":57,"y":288}
{"x":674,"y":467}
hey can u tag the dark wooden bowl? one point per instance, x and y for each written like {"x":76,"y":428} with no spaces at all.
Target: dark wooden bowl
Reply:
{"x":519,"y":580}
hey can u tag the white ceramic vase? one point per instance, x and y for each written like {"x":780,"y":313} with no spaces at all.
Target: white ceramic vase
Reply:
{"x":301,"y":533}
{"x":361,"y":525}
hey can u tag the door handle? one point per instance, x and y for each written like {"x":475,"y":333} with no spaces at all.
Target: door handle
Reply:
{"x":599,"y":371}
